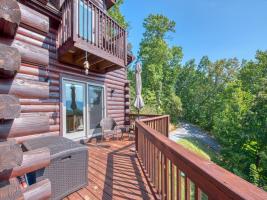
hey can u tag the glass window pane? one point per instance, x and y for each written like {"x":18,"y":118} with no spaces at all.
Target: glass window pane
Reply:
{"x":74,"y":102}
{"x":95,"y":95}
{"x":85,"y":21}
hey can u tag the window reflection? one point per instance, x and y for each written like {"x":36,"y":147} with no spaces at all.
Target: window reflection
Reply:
{"x":74,"y":107}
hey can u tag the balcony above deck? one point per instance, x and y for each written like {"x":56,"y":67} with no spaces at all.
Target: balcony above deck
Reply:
{"x":87,"y":31}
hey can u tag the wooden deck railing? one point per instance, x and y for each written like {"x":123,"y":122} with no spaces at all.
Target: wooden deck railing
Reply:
{"x":175,"y":173}
{"x":83,"y":20}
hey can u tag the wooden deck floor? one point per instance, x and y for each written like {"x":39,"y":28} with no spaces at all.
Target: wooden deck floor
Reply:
{"x":113,"y":173}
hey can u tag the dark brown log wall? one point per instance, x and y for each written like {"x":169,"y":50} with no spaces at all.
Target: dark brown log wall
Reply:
{"x":37,"y":83}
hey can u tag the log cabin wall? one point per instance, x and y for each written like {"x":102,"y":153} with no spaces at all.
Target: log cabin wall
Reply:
{"x":37,"y":82}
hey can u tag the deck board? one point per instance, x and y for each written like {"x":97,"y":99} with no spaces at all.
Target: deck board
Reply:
{"x":113,"y":173}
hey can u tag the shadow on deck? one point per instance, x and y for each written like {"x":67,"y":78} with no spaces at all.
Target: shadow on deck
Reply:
{"x":113,"y":173}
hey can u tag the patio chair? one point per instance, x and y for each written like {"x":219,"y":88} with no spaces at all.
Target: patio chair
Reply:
{"x":108,"y":125}
{"x":128,"y":129}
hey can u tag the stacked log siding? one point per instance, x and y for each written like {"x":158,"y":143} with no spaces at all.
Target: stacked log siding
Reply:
{"x":37,"y":82}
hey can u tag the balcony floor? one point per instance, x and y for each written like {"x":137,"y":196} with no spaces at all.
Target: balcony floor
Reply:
{"x":113,"y":173}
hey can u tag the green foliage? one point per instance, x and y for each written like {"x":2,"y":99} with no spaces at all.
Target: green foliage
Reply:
{"x":116,"y":14}
{"x":161,"y":64}
{"x":254,"y":174}
{"x":230,"y":100}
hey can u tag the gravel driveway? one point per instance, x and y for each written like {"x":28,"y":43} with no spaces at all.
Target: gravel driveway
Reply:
{"x":187,"y":130}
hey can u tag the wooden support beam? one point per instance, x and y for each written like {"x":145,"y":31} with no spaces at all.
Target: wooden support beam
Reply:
{"x":27,"y":125}
{"x":8,"y":66}
{"x":9,"y":107}
{"x":10,"y":17}
{"x":29,"y":53}
{"x":31,"y":161}
{"x":33,"y":19}
{"x":38,"y":191}
{"x":25,"y":88}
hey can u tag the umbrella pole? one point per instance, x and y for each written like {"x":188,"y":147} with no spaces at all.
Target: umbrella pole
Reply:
{"x":138,"y":114}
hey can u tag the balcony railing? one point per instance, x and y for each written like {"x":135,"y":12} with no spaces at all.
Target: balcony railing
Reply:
{"x":175,"y":173}
{"x":89,"y":28}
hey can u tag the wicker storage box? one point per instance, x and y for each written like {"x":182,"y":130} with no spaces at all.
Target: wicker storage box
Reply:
{"x":68,"y":168}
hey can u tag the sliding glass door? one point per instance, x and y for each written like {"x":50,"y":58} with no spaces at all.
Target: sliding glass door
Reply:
{"x":83,"y":109}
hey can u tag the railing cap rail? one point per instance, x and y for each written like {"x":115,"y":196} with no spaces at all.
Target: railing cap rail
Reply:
{"x":154,"y":118}
{"x":215,"y":181}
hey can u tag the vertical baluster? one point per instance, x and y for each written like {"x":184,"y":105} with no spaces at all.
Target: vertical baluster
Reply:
{"x":160,"y":172}
{"x":151,"y":161}
{"x":83,"y":24}
{"x":119,"y":45}
{"x":178,"y":183}
{"x":78,"y":17}
{"x":92,"y":24}
{"x":101,"y":30}
{"x":173,"y":189}
{"x":169,"y":179}
{"x":95,"y":26}
{"x":163,"y":177}
{"x":117,"y":38}
{"x":88,"y":8}
{"x":154,"y":165}
{"x":145,"y":160}
{"x":197,"y":192}
{"x":69,"y":19}
{"x":147,"y":167}
{"x":113,"y":38}
{"x":120,"y":42}
{"x":147,"y":155}
{"x":104,"y":31}
{"x":97,"y":30}
{"x":63,"y":22}
{"x":109,"y":35}
{"x":187,"y":188}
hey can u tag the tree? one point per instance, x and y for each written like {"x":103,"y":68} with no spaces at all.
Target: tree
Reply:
{"x":160,"y":63}
{"x":116,"y":14}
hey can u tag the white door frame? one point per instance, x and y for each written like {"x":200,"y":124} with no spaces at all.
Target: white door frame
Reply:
{"x":87,"y":131}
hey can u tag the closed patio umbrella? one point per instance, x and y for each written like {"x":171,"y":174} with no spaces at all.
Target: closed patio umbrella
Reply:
{"x":139,"y":103}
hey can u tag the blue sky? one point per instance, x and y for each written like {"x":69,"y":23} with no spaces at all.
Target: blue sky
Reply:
{"x":217,"y":28}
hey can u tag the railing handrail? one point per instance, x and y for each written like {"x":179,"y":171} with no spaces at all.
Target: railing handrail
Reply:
{"x":212,"y":179}
{"x":154,"y":118}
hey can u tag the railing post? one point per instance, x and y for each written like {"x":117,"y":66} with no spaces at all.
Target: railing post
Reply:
{"x":167,"y":126}
{"x":136,"y":138}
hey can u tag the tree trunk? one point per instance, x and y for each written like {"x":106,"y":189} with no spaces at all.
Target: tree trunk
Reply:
{"x":10,"y":17}
{"x":9,"y":107}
